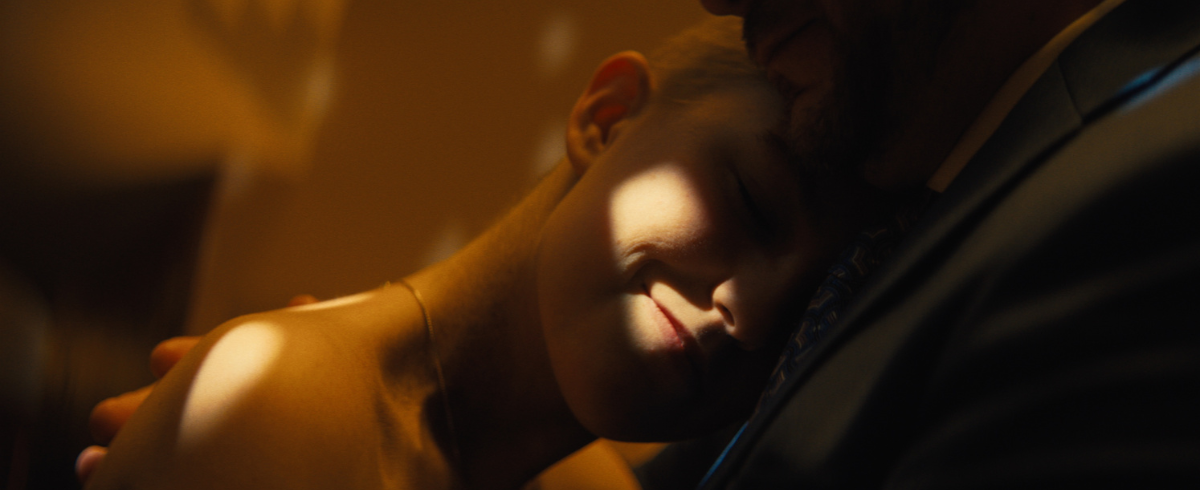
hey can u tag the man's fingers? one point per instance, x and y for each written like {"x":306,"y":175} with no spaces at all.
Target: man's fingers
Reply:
{"x":87,"y":462}
{"x":169,"y":352}
{"x":109,"y":415}
{"x":303,"y":299}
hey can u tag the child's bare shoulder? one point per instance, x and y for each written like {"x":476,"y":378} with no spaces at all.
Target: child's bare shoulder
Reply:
{"x":292,"y":398}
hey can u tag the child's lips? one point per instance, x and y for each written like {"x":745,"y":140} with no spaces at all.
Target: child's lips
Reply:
{"x":685,"y":342}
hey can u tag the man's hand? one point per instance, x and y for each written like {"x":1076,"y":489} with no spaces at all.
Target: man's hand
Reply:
{"x":110,"y":415}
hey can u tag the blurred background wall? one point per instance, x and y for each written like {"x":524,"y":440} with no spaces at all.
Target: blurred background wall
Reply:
{"x":166,"y":165}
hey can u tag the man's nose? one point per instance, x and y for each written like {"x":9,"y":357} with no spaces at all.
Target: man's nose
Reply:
{"x":726,"y":7}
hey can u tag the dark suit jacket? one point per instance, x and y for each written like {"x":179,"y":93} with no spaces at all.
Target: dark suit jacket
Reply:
{"x":1040,"y":327}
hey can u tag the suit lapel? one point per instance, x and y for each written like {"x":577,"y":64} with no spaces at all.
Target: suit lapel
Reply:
{"x":1100,"y":71}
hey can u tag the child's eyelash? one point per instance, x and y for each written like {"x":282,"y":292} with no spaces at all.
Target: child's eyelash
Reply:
{"x":762,"y":222}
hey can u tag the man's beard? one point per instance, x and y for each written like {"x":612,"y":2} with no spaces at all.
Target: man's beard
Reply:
{"x":847,"y":127}
{"x":881,"y":68}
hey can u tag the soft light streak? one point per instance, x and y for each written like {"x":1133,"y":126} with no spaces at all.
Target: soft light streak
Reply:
{"x":230,"y":370}
{"x":550,"y":147}
{"x":451,"y":238}
{"x":658,"y":205}
{"x":335,"y":303}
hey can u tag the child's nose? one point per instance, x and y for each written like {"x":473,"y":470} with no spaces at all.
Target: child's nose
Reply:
{"x":746,"y":317}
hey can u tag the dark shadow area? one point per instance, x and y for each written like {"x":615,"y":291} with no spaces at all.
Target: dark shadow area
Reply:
{"x":92,"y":279}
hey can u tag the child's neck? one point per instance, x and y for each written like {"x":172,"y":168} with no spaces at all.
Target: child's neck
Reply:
{"x":509,"y":416}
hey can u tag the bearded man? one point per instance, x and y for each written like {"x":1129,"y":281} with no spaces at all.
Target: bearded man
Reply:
{"x":1036,"y":327}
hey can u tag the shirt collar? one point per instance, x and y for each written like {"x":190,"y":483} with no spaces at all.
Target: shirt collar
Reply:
{"x":1010,"y":93}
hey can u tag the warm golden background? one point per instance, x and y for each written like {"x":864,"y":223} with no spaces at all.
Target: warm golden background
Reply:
{"x":168,"y":164}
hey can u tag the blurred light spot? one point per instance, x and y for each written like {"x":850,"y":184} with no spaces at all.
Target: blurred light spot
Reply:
{"x":318,"y":89}
{"x":556,"y":44}
{"x":279,"y":13}
{"x":449,"y":240}
{"x":237,"y":175}
{"x":230,"y":370}
{"x":550,"y":148}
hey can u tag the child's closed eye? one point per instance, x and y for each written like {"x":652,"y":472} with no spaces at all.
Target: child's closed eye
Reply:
{"x":755,"y":212}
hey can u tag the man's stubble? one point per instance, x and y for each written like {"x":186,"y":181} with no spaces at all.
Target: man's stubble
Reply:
{"x":880,"y":67}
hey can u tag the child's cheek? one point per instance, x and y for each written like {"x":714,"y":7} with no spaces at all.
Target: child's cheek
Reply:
{"x":663,"y":205}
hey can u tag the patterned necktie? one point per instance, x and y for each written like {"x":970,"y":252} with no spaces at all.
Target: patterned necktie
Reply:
{"x":870,"y":249}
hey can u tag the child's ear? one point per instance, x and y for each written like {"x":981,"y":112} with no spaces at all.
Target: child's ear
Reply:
{"x":618,"y":91}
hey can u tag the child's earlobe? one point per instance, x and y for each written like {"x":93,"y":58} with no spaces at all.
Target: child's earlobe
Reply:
{"x":617,"y":92}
